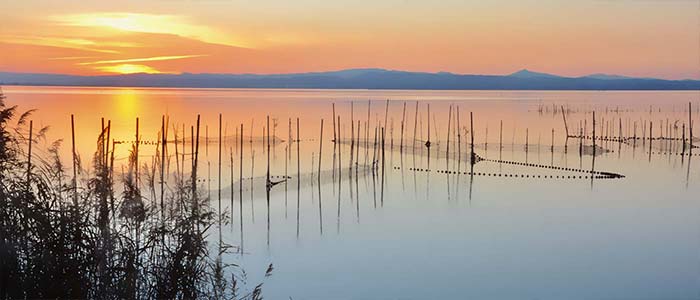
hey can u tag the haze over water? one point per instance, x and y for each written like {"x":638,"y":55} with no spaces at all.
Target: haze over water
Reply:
{"x":427,"y":233}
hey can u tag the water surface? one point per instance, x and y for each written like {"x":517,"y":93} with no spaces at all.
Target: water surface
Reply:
{"x":517,"y":227}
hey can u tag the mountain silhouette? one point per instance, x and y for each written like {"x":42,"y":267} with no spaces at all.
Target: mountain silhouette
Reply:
{"x":359,"y":79}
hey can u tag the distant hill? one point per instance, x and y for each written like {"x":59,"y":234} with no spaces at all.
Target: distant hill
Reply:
{"x":525,"y":73}
{"x":610,"y":77}
{"x":359,"y":79}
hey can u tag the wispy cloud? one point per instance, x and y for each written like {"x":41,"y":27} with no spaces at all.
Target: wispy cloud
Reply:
{"x":71,"y":58}
{"x":149,"y":23}
{"x":71,"y":43}
{"x":130,"y":60}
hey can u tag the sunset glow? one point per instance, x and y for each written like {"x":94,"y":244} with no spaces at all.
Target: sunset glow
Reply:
{"x":634,"y":38}
{"x":128,"y":69}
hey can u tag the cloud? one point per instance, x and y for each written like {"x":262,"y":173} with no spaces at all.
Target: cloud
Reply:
{"x":156,"y":58}
{"x":148,"y":23}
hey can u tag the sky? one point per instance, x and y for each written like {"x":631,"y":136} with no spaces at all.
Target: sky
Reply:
{"x":649,"y":38}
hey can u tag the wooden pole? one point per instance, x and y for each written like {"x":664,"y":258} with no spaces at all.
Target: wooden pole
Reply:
{"x":102,"y":123}
{"x":191,"y":147}
{"x":29,"y":154}
{"x":620,"y":129}
{"x":486,"y":139}
{"x":383,"y":165}
{"x":593,"y":136}
{"x":552,"y":147}
{"x":415,"y":128}
{"x":403,"y":120}
{"x":320,"y":148}
{"x":386,"y":113}
{"x":527,"y":138}
{"x":683,"y":138}
{"x":167,"y":155}
{"x":219,"y":181}
{"x":690,"y":124}
{"x":374,"y":150}
{"x":137,"y":152}
{"x":566,"y":126}
{"x":357,"y":154}
{"x":369,"y":104}
{"x":500,"y":140}
{"x":240,"y":187}
{"x":182,"y":160}
{"x":107,"y":164}
{"x":459,"y":138}
{"x":75,"y":169}
{"x":298,"y":176}
{"x":177,"y":152}
{"x":196,"y":162}
{"x":427,"y":144}
{"x":289,"y":137}
{"x":231,"y":174}
{"x":162,"y":165}
{"x":335,"y":137}
{"x":447,"y":152}
{"x":268,"y":183}
{"x":286,"y":162}
{"x":471,"y":125}
{"x":352,"y":122}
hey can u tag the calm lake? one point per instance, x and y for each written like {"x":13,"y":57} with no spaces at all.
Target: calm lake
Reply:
{"x":525,"y":221}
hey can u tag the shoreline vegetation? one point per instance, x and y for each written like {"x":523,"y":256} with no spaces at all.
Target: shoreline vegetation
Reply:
{"x":65,"y":231}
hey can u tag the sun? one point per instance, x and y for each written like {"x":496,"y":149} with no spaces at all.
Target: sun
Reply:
{"x":128,"y":69}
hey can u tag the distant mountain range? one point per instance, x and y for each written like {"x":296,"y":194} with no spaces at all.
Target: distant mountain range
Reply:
{"x":359,"y":79}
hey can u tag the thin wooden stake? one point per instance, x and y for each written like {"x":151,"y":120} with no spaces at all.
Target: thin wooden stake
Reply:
{"x":471,"y":125}
{"x":75,"y":169}
{"x":566,"y":126}
{"x":240,"y":187}
{"x":335,"y":137}
{"x":403,"y":120}
{"x":162,"y":166}
{"x":320,"y":148}
{"x":219,"y":180}
{"x":29,"y":154}
{"x":137,"y":152}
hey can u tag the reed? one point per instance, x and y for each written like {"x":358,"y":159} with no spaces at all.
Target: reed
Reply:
{"x":63,"y":248}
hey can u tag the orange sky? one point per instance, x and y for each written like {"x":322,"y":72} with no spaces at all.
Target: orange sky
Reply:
{"x":573,"y":38}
